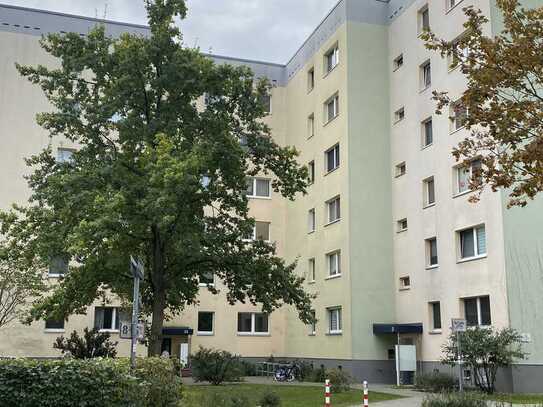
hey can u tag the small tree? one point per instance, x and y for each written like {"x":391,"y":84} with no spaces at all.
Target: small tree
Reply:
{"x":93,"y":344}
{"x":216,"y":366}
{"x":485,"y":350}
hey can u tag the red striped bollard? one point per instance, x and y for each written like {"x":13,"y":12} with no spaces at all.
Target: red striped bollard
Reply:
{"x":327,"y":394}
{"x":366,"y":397}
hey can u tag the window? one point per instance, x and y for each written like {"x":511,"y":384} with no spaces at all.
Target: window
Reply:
{"x":401,"y":169}
{"x":331,"y":108}
{"x":262,"y":231}
{"x":334,"y":264}
{"x":431,"y":252}
{"x":452,"y":3}
{"x":462,"y":52}
{"x":207,"y":279}
{"x":399,"y":115}
{"x":265,"y":101}
{"x":427,"y":133}
{"x":477,"y":311}
{"x":331,"y":59}
{"x":405,"y":283}
{"x":429,"y":192}
{"x":313,"y":325}
{"x":107,"y":318}
{"x":468,"y":175}
{"x":311,"y":170}
{"x":332,"y":158}
{"x":472,"y":242}
{"x":64,"y":155}
{"x":205,"y":323}
{"x":312,"y":270}
{"x":334,"y":321}
{"x":253,"y":323}
{"x":311,"y":126}
{"x":435,"y":308}
{"x":425,"y":75}
{"x":54,"y":325}
{"x":334,"y":209}
{"x":311,"y":220}
{"x":424,"y":19}
{"x":402,"y":225}
{"x":58,"y":266}
{"x":310,"y":79}
{"x":258,"y":188}
{"x":459,"y":115}
{"x":398,"y":62}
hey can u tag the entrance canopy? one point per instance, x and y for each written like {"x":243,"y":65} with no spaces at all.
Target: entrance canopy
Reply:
{"x":384,"y":329}
{"x":174,"y":331}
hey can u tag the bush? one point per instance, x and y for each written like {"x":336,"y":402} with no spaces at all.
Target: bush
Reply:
{"x":270,"y":399}
{"x":319,"y":375}
{"x":339,"y":380}
{"x":93,"y":344}
{"x":305,"y":372}
{"x":216,"y":367}
{"x":89,"y":382}
{"x":249,"y":369}
{"x":435,"y":382}
{"x":455,"y":400}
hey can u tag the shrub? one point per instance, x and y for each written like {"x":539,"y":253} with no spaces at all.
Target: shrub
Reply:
{"x":93,"y":344}
{"x":339,"y":380}
{"x":270,"y":399}
{"x":89,"y":382}
{"x":305,"y":371}
{"x":319,"y":375}
{"x":435,"y":382}
{"x":455,"y":400}
{"x":249,"y":369}
{"x":216,"y":367}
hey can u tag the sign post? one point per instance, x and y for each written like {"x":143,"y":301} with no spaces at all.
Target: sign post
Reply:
{"x":137,"y":272}
{"x":459,"y":326}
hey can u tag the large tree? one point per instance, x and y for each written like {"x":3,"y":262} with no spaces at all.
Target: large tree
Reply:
{"x":156,"y":175}
{"x":504,"y":97}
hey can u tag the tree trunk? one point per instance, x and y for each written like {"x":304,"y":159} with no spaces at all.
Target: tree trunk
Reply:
{"x":159,"y":295}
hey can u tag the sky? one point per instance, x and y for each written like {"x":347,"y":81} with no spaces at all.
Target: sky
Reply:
{"x":254,"y":29}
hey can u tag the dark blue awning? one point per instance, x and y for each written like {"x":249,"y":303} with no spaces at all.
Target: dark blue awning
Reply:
{"x":383,"y":329}
{"x":174,"y":330}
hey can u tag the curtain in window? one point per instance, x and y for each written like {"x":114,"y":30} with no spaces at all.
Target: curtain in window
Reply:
{"x":481,"y":240}
{"x":99,"y":318}
{"x":467,"y":244}
{"x":250,"y":187}
{"x":262,"y":187}
{"x":262,"y":230}
{"x":334,"y":320}
{"x":464,"y":176}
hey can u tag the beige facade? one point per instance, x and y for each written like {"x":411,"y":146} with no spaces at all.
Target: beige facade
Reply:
{"x":355,"y":100}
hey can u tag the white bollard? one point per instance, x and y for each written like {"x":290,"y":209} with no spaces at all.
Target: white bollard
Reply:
{"x":366,"y":394}
{"x":327,"y":402}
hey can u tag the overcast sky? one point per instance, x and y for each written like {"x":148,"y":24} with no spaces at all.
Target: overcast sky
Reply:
{"x":255,"y":29}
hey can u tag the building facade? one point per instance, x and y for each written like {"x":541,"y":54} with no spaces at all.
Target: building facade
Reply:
{"x":385,"y":236}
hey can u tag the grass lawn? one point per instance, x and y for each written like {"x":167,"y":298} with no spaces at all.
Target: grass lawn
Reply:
{"x":519,"y":398}
{"x":291,"y":396}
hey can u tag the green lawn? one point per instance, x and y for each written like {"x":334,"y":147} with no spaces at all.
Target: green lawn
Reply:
{"x":291,"y":396}
{"x":519,"y":398}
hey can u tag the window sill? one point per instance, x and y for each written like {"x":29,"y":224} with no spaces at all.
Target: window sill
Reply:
{"x":426,"y":146}
{"x":435,"y":266}
{"x":396,"y":69}
{"x":109,"y":331}
{"x":474,"y":258}
{"x":212,"y":284}
{"x":312,"y":334}
{"x":398,"y":121}
{"x":54,"y":331}
{"x":312,"y":282}
{"x":453,"y":7}
{"x":457,"y":130}
{"x":331,"y":171}
{"x":335,"y":333}
{"x":326,"y":123}
{"x":459,"y":194}
{"x":311,"y":232}
{"x":310,"y":90}
{"x":399,"y":175}
{"x":253,"y":334}
{"x":55,"y":276}
{"x":429,"y":205}
{"x":422,"y":90}
{"x":265,"y":198}
{"x":401,"y":231}
{"x":333,"y":222}
{"x":435,"y":332}
{"x":405,"y":288}
{"x":333,"y":277}
{"x":205,"y":334}
{"x":452,"y":68}
{"x":327,"y":73}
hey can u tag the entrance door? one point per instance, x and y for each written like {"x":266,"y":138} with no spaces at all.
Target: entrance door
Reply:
{"x":166,"y":345}
{"x":184,"y":354}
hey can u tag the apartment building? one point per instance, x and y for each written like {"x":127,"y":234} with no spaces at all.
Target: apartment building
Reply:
{"x":385,"y":236}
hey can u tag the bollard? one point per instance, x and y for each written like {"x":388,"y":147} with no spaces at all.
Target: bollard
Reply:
{"x":327,"y":394}
{"x":366,"y":397}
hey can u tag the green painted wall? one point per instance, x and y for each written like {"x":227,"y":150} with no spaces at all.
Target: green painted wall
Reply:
{"x":370,"y":210}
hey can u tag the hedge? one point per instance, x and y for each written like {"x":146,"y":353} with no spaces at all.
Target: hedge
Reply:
{"x":90,"y":382}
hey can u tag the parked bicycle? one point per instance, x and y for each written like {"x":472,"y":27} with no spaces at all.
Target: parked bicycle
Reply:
{"x":287,"y":373}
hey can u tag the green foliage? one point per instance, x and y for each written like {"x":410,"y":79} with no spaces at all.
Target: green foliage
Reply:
{"x":270,"y":399}
{"x":340,"y":381}
{"x":435,"y":382}
{"x":219,"y":399}
{"x":319,"y":375}
{"x":90,"y":382}
{"x":93,"y":344}
{"x":157,"y":175}
{"x":216,"y":366}
{"x":249,"y":368}
{"x":485,"y":350}
{"x":455,"y":400}
{"x":306,"y":372}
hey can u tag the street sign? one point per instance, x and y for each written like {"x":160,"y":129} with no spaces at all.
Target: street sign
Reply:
{"x":459,"y":325}
{"x":125,"y":330}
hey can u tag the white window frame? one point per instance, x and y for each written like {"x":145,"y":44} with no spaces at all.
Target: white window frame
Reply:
{"x":432,"y":317}
{"x":334,"y":256}
{"x":311,"y":125}
{"x":54,"y":330}
{"x":335,"y":101}
{"x":428,"y":244}
{"x":312,"y":270}
{"x":400,"y":225}
{"x":420,"y":18}
{"x":424,"y":132}
{"x":311,"y":79}
{"x":398,"y":62}
{"x":426,"y":192}
{"x":311,"y":220}
{"x":312,"y":171}
{"x":470,"y":166}
{"x":61,"y":158}
{"x":253,"y":325}
{"x":253,"y":238}
{"x":206,"y":333}
{"x":451,"y":63}
{"x":339,"y":329}
{"x":425,"y":75}
{"x":207,"y":284}
{"x":475,"y":230}
{"x":453,"y":117}
{"x":403,"y":281}
{"x":330,"y":65}
{"x":451,"y":4}
{"x":479,"y":313}
{"x":399,"y":167}
{"x":114,"y":316}
{"x":313,"y":325}
{"x":254,"y":181}
{"x":333,"y":207}
{"x":399,"y":115}
{"x":336,"y":158}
